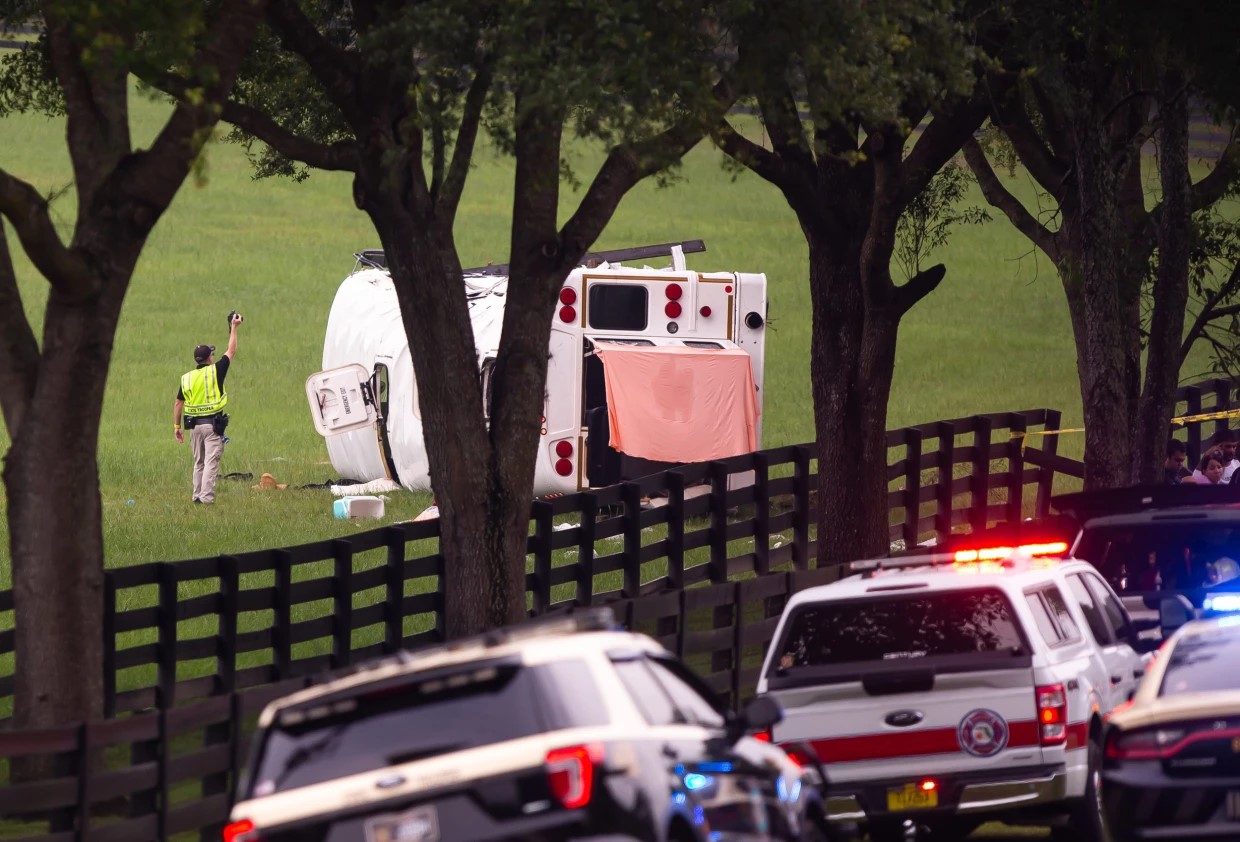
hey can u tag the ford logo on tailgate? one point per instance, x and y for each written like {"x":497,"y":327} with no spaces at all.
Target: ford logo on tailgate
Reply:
{"x":904,"y":718}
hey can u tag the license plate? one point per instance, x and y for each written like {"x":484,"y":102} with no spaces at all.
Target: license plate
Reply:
{"x":1233,"y":806}
{"x":418,"y":825}
{"x":911,"y":797}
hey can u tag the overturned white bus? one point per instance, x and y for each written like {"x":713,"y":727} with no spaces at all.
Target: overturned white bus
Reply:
{"x":648,"y":368}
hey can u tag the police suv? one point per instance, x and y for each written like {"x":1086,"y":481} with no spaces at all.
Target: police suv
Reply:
{"x":946,"y":690}
{"x":558,"y":730}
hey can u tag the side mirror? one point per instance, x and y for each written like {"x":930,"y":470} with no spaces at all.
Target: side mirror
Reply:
{"x":761,"y":714}
{"x":1173,"y":612}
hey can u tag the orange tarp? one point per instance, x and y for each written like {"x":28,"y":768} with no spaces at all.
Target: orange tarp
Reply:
{"x":679,"y":404}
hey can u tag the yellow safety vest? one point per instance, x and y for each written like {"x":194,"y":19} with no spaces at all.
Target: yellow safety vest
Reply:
{"x":203,"y":395}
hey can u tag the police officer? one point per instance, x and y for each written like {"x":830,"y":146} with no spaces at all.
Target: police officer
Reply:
{"x":202,"y":399}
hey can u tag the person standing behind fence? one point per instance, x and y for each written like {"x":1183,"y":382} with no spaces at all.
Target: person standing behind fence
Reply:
{"x":1173,"y":466}
{"x":201,"y":398}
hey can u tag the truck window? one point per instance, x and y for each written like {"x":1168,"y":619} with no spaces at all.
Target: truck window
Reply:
{"x":899,"y":627}
{"x":618,"y":306}
{"x":1042,"y":619}
{"x":406,"y":722}
{"x":1059,"y":611}
{"x":1116,"y":616}
{"x":1093,"y":613}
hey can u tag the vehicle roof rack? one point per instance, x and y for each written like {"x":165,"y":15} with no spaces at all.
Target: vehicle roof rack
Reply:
{"x":375,"y":259}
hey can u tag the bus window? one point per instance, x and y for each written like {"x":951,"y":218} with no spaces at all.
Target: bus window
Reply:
{"x":618,"y":306}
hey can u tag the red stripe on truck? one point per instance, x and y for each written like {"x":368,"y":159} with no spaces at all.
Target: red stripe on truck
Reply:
{"x":912,"y":744}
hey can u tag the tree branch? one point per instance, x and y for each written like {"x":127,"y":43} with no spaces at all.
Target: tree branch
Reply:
{"x":335,"y":69}
{"x":1219,"y":181}
{"x":629,"y":163}
{"x":998,"y":197}
{"x":1048,"y":170}
{"x":323,"y":156}
{"x":939,"y":142}
{"x":1208,"y":311}
{"x":27,"y":211}
{"x":466,"y":136}
{"x":918,"y":287}
{"x":19,"y":351}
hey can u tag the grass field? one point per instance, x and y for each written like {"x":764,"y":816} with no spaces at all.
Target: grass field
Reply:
{"x":994,"y":337}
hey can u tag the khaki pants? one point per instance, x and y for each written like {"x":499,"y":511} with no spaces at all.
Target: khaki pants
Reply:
{"x":207,"y":448}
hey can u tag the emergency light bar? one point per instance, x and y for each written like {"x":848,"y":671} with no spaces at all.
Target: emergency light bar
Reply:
{"x":981,"y":560}
{"x":1223,"y":603}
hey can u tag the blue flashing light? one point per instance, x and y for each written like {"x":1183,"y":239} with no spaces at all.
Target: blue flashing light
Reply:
{"x":718,"y":767}
{"x":678,"y":798}
{"x":699,"y":815}
{"x":1224,"y":603}
{"x":694,"y":781}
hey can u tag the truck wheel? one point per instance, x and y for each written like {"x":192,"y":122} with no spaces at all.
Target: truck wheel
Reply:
{"x":1087,"y":822}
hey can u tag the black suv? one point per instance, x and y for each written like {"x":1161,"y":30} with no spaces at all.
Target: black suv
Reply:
{"x":562,"y":729}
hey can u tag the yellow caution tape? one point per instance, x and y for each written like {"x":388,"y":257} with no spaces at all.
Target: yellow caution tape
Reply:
{"x":1177,"y":422}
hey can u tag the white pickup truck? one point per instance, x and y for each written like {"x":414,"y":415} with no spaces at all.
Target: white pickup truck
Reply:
{"x":943,"y":691}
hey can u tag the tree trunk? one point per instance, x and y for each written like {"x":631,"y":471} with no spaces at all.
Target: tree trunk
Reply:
{"x":851,"y":369}
{"x":55,"y":522}
{"x":1173,"y":233}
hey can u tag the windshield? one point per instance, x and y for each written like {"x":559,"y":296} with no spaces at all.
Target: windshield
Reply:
{"x":899,"y":627}
{"x":1167,"y":555}
{"x":1203,"y":662}
{"x":422,"y":718}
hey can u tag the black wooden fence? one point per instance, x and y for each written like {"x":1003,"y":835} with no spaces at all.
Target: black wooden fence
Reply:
{"x":194,"y":649}
{"x":175,"y":631}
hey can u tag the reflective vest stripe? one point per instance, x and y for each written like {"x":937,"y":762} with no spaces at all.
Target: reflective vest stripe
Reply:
{"x":201,"y":389}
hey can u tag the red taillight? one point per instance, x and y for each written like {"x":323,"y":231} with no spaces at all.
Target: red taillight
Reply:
{"x":705,"y":311}
{"x":928,"y":786}
{"x":564,"y":449}
{"x":672,"y":309}
{"x":242,"y":831}
{"x":568,"y":314}
{"x":568,"y":295}
{"x":673,"y":292}
{"x":1152,"y":744}
{"x":763,"y":736}
{"x":563,"y":467}
{"x":1052,"y":714}
{"x":570,"y":774}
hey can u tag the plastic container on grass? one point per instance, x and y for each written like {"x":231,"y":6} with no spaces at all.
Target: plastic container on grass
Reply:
{"x":356,"y":507}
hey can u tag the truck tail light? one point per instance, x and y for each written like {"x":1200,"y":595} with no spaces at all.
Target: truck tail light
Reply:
{"x":1052,"y":714}
{"x":241,"y":831}
{"x":570,"y":774}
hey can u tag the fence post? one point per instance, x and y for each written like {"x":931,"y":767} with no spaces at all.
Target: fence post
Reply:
{"x":1046,"y":475}
{"x":162,"y":755}
{"x":165,"y":692}
{"x":801,"y":515}
{"x":761,"y":514}
{"x":1016,"y":467}
{"x":540,"y":543}
{"x":109,"y":645}
{"x":1192,"y":401}
{"x":226,"y":642}
{"x":281,"y":631}
{"x":912,"y":488}
{"x":394,"y":585}
{"x":342,"y":602}
{"x":585,"y":549}
{"x":631,"y":493}
{"x":946,"y":432}
{"x":675,"y":482}
{"x":718,"y":522}
{"x":978,"y":514}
